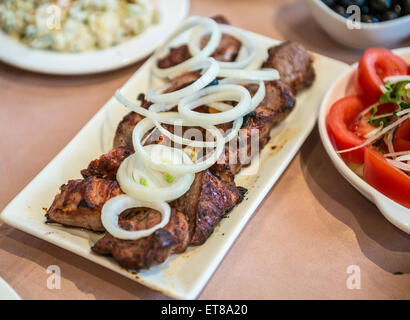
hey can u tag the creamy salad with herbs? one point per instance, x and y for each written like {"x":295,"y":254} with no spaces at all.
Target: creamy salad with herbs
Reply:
{"x":75,"y":25}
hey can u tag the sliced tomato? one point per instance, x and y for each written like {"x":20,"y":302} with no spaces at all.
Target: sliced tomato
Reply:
{"x":389,"y":180}
{"x":402,"y":137}
{"x":375,"y":65}
{"x":341,"y":116}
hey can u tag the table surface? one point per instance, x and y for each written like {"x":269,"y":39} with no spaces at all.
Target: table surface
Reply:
{"x":300,"y":242}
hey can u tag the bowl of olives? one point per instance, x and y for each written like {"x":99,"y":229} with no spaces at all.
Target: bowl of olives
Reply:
{"x":364,"y":23}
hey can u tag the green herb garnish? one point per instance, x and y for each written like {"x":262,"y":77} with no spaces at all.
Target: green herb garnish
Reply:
{"x":143,"y":182}
{"x":168,"y":177}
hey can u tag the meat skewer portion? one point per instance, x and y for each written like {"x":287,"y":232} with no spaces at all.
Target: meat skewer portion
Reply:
{"x":213,"y":192}
{"x":206,"y":203}
{"x":294,"y":63}
{"x":152,"y":250}
{"x":274,"y":108}
{"x":227,"y":50}
{"x":79,"y":202}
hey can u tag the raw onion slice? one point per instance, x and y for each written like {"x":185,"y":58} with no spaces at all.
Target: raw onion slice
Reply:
{"x":388,"y":140}
{"x":200,"y":55}
{"x":153,"y":159}
{"x":247,"y":43}
{"x":257,"y":97}
{"x":396,"y":79}
{"x":236,"y":126}
{"x":400,"y":165}
{"x":405,"y":157}
{"x":212,"y":70}
{"x":250,"y":75}
{"x":397,"y":154}
{"x":115,"y":206}
{"x":149,"y":113}
{"x":132,"y":172}
{"x":223,"y":92}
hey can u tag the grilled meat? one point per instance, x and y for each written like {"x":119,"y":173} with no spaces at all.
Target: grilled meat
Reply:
{"x":294,"y":63}
{"x":106,"y":166}
{"x":206,"y":203}
{"x":182,"y":81}
{"x":152,"y":250}
{"x":123,"y":135}
{"x":274,"y":108}
{"x":79,"y":202}
{"x":226,"y":51}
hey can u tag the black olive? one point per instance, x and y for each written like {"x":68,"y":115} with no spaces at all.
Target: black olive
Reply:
{"x":397,"y":9}
{"x":389,"y":15}
{"x":367,"y":18}
{"x":405,"y":5}
{"x":347,"y":3}
{"x":365,"y":9}
{"x":329,"y":3}
{"x":380,"y":5}
{"x":339,"y":10}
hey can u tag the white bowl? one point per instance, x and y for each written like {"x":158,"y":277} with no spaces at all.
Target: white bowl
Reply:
{"x":394,"y":212}
{"x":386,"y":34}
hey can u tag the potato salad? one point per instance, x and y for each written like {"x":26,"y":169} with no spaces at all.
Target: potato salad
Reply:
{"x":75,"y":25}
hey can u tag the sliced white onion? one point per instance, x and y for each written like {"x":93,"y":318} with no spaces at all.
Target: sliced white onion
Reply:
{"x":237,"y":124}
{"x":400,"y":165}
{"x":404,"y":157}
{"x":257,"y":97}
{"x":149,"y":113}
{"x":212,"y":44}
{"x":388,"y":140}
{"x":383,"y":89}
{"x":154,"y":162}
{"x":223,"y":92}
{"x":132,"y":170}
{"x":249,"y":75}
{"x":212,"y":70}
{"x":396,"y":79}
{"x":399,"y":113}
{"x":115,"y":206}
{"x":247,"y":43}
{"x":365,"y":111}
{"x":373,"y":132}
{"x":396,"y":154}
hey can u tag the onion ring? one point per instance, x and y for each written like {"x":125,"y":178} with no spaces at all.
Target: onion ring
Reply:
{"x":115,"y":206}
{"x":147,"y":124}
{"x":172,"y":97}
{"x":156,"y":188}
{"x":205,"y":52}
{"x":217,"y":93}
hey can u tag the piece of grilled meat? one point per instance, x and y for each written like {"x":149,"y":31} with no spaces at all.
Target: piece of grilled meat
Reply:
{"x":106,"y":166}
{"x":227,"y":50}
{"x":206,"y":203}
{"x":274,"y":108}
{"x":294,"y":63}
{"x":79,"y":202}
{"x":152,"y":250}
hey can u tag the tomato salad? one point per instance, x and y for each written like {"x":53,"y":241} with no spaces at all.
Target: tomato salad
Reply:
{"x":371,"y":129}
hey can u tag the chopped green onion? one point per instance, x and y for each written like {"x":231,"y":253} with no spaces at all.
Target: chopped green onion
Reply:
{"x":143,"y":181}
{"x":168,"y":177}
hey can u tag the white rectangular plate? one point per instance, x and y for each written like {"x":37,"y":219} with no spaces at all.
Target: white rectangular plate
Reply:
{"x":181,"y":276}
